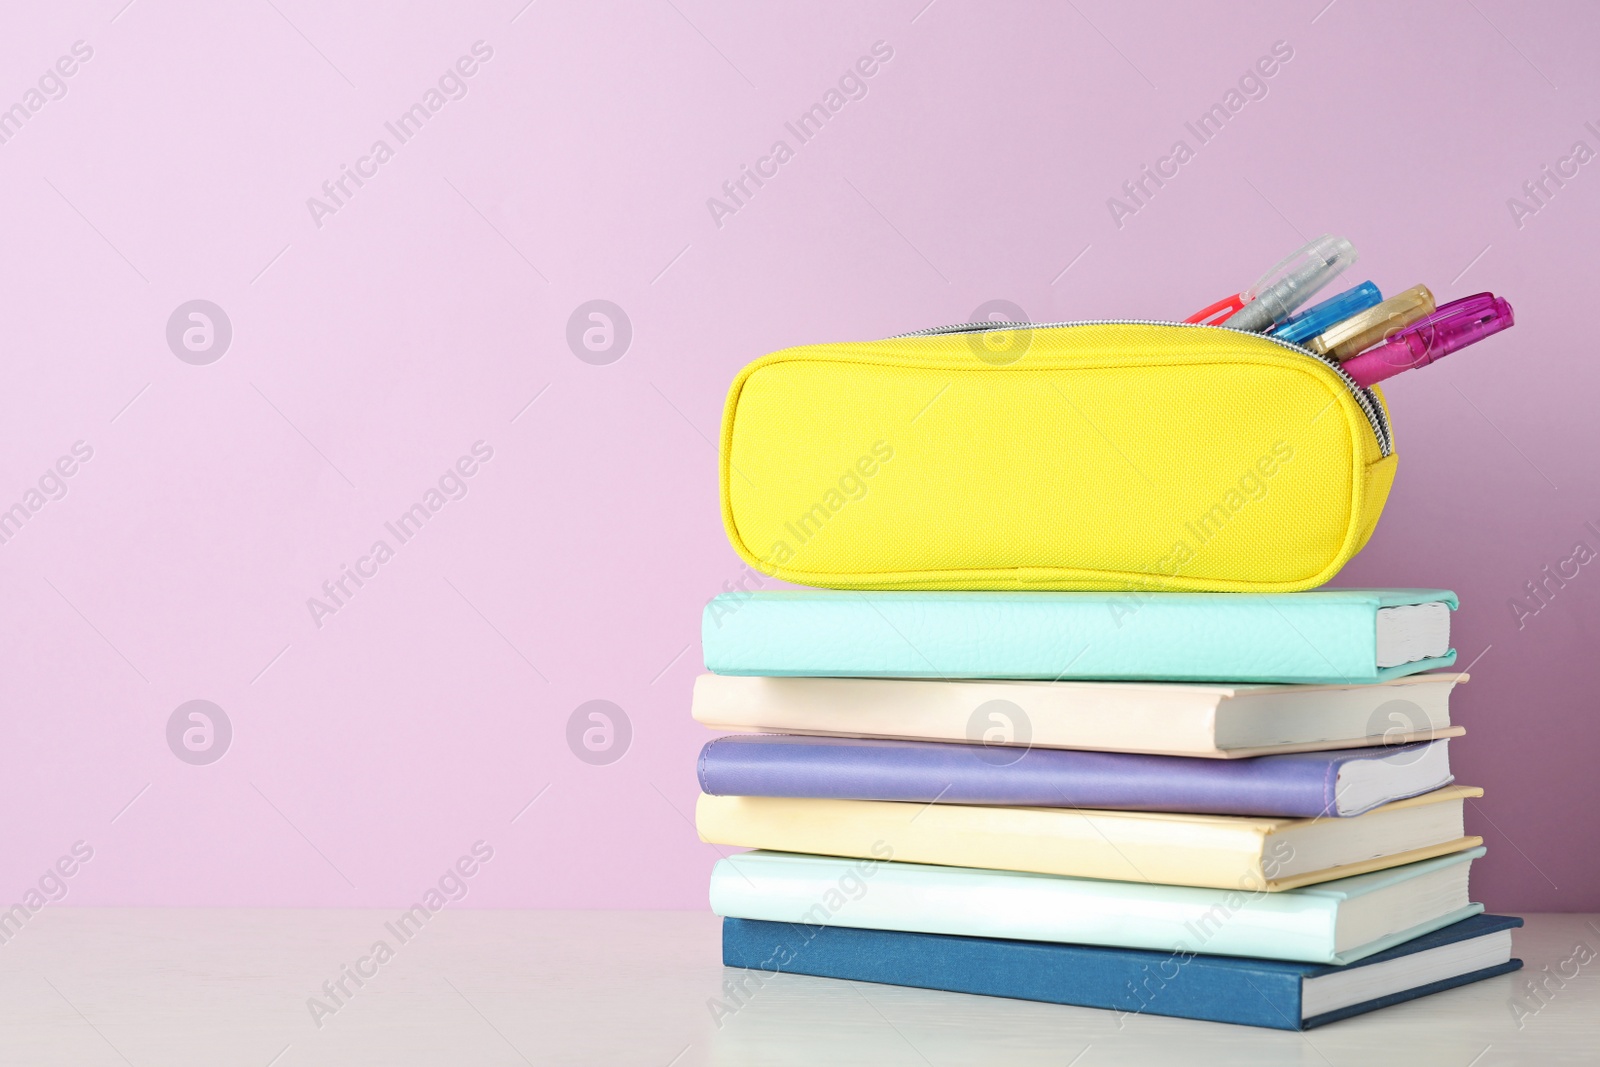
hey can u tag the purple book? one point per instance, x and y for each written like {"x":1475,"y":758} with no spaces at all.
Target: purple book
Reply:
{"x":1306,"y":784}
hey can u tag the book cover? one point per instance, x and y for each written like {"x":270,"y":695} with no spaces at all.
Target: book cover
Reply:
{"x":1324,"y":636}
{"x":1298,"y":924}
{"x":1295,"y":784}
{"x":1220,"y":851}
{"x":1226,"y":989}
{"x":1160,"y":718}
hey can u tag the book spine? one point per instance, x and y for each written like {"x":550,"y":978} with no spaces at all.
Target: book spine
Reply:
{"x":1126,"y":981}
{"x":917,"y":772}
{"x":910,"y":898}
{"x":1319,"y":641}
{"x":1082,"y":845}
{"x":937,"y":710}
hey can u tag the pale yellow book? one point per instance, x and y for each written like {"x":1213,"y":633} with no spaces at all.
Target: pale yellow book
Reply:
{"x":1218,"y":851}
{"x":1165,"y":718}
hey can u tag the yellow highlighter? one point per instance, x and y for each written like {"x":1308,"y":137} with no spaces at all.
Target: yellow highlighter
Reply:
{"x":1365,"y":329}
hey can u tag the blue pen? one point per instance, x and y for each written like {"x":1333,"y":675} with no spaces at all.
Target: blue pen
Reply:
{"x":1313,"y":321}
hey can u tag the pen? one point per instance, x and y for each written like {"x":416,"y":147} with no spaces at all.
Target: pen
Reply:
{"x":1335,"y":309}
{"x":1454,"y":326}
{"x":1344,"y":339}
{"x":1291,"y":283}
{"x":1220,"y":311}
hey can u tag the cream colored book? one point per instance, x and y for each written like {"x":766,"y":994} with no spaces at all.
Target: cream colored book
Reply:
{"x":1216,"y":851}
{"x":1164,"y":718}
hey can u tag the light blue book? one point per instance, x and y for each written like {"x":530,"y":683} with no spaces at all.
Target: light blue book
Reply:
{"x":1335,"y":922}
{"x":1323,"y":637}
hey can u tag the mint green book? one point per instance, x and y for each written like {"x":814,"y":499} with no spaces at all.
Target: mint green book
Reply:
{"x":1334,"y":922}
{"x":1322,"y":637}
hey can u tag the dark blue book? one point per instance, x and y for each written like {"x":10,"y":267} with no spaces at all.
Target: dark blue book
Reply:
{"x":1251,"y":992}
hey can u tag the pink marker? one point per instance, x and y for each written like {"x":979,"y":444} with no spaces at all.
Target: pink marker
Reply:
{"x":1455,"y":325}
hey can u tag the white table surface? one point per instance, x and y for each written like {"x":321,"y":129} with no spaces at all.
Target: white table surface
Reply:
{"x":181,"y":986}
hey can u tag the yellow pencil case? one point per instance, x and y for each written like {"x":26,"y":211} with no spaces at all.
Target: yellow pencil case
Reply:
{"x":1084,"y":455}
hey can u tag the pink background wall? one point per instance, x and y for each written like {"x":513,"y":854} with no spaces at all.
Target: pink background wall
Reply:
{"x":371,"y":351}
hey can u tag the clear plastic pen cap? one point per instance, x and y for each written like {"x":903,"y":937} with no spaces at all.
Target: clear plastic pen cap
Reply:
{"x":1289,"y":284}
{"x":1327,"y":252}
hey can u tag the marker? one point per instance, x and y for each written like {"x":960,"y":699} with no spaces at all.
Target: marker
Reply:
{"x":1285,"y":287}
{"x":1344,"y":339}
{"x":1335,"y":309}
{"x":1451,"y":328}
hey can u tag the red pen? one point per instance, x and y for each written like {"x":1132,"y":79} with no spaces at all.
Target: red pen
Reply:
{"x":1223,"y":309}
{"x":1453,"y":326}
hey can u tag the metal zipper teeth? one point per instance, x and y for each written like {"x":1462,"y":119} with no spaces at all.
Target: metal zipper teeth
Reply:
{"x":1363,"y":398}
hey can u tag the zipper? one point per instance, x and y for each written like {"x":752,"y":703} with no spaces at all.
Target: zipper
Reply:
{"x":1363,"y":397}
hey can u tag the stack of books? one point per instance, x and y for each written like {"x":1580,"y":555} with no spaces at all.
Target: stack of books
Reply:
{"x":1215,"y":806}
